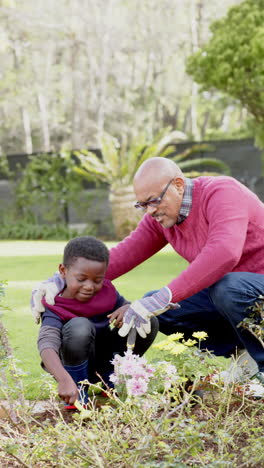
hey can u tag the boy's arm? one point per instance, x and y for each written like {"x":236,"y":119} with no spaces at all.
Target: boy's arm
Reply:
{"x":67,"y":389}
{"x":49,"y":342}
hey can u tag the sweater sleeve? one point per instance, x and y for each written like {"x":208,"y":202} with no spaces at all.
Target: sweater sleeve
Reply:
{"x":226,"y":212}
{"x":50,"y":331}
{"x":49,"y":337}
{"x":141,"y":244}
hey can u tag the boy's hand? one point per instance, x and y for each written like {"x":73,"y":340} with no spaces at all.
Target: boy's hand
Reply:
{"x":68,"y":391}
{"x":116,"y":318}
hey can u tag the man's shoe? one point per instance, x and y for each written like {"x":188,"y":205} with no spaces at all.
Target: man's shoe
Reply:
{"x":241,"y":370}
{"x":260,"y":377}
{"x":255,"y":387}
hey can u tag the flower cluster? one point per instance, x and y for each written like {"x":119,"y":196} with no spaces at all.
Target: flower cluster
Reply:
{"x":133,"y":376}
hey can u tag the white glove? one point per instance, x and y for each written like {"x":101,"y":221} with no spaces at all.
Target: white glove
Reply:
{"x":139,"y":313}
{"x":49,"y":289}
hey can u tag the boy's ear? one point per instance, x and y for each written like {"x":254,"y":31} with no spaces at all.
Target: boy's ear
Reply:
{"x":62,"y":270}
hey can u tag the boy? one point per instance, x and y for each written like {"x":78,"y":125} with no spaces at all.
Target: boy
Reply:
{"x":75,"y":340}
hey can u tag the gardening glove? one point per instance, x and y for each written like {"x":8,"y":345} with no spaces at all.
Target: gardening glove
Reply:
{"x":49,"y":289}
{"x":139,"y":313}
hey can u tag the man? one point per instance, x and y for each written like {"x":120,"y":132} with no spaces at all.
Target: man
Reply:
{"x":217,"y":225}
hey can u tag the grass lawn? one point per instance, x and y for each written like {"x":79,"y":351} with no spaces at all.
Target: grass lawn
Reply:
{"x":24,"y":263}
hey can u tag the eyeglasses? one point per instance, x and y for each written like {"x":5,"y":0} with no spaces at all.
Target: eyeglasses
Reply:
{"x":154,"y":201}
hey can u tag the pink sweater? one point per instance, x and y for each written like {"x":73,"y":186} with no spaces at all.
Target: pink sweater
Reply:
{"x":224,"y":232}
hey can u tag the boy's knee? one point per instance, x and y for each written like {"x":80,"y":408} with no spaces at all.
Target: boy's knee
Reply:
{"x":78,"y":329}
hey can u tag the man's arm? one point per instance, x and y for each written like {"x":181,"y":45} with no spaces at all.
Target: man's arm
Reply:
{"x":49,"y":288}
{"x":146,"y":240}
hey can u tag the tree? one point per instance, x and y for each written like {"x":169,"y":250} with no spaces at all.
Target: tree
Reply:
{"x":233,"y":60}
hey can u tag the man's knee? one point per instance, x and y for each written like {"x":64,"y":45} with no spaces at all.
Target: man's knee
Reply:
{"x":232,"y":289}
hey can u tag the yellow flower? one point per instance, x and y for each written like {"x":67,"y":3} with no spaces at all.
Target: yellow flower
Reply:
{"x":165,"y":344}
{"x":190,"y":342}
{"x":161,"y":344}
{"x":176,"y":336}
{"x":178,"y":349}
{"x":200,"y":335}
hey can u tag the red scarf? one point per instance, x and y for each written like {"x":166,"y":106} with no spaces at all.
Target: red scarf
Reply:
{"x":104,"y":301}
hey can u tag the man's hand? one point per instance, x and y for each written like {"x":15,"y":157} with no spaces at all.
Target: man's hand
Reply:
{"x":140,"y":312}
{"x":68,"y":391}
{"x":116,"y":318}
{"x":49,"y":289}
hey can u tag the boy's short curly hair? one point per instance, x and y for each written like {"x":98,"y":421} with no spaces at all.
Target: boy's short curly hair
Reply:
{"x":87,"y":247}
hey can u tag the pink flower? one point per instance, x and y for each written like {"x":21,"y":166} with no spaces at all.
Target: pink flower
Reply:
{"x":128,"y":367}
{"x":137,"y":387}
{"x":113,"y":378}
{"x":117,"y":359}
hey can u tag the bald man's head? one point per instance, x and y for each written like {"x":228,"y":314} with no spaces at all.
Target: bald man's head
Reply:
{"x":162,"y":167}
{"x":159,"y":188}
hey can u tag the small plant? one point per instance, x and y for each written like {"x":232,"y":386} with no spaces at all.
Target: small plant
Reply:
{"x":192,"y":363}
{"x":184,"y":365}
{"x":255,"y":321}
{"x":134,"y":377}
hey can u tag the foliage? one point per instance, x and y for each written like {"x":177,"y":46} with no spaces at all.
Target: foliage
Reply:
{"x":255,"y":320}
{"x":119,"y":165}
{"x":22,"y":229}
{"x":4,"y":168}
{"x":193,"y":167}
{"x":232,"y":60}
{"x":191,"y":362}
{"x":49,"y":181}
{"x":10,"y":376}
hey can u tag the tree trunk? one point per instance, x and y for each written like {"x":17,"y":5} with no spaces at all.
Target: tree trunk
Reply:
{"x":44,"y":121}
{"x":27,"y":130}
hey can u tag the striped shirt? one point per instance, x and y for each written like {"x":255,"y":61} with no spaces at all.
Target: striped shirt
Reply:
{"x":186,"y":201}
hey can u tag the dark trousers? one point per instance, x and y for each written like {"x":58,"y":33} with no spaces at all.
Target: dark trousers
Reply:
{"x":218,"y":310}
{"x":82,"y":341}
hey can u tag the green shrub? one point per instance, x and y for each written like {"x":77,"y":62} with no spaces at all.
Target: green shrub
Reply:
{"x":49,"y":180}
{"x":22,"y":230}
